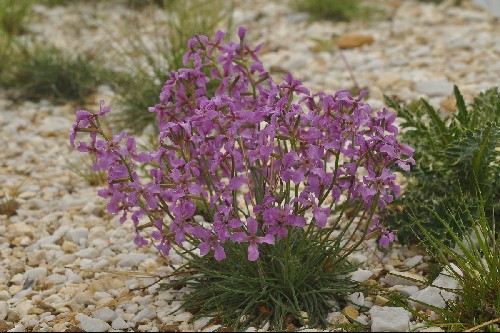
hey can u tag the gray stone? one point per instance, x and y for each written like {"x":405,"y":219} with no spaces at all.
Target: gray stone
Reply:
{"x":434,"y":87}
{"x":390,"y":319}
{"x":4,"y":310}
{"x":105,"y":314}
{"x":144,"y":314}
{"x":119,"y":324}
{"x":77,"y":235}
{"x":414,"y":261}
{"x":131,"y":259}
{"x":394,"y":278}
{"x":361,"y":275}
{"x":89,"y":324}
{"x":35,"y":274}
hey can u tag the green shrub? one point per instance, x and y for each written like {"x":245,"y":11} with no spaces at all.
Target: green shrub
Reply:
{"x":451,"y":154}
{"x":151,"y":63}
{"x":342,"y":10}
{"x":44,"y":71}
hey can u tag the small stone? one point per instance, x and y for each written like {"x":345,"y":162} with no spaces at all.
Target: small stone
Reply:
{"x":98,"y":295}
{"x":449,"y":104}
{"x":357,"y":298}
{"x":404,"y":290}
{"x":89,"y":324}
{"x":337,"y":318}
{"x":83,"y":297}
{"x":350,"y":312}
{"x":18,"y":328}
{"x":105,"y":314}
{"x":131,"y":259}
{"x":4,"y":310}
{"x":200,"y":323}
{"x":5,"y":326}
{"x":380,"y":300}
{"x":35,"y":274}
{"x":389,"y":319}
{"x":403,"y":278}
{"x":106,"y":283}
{"x":361,"y":275}
{"x":183,"y":317}
{"x":20,"y":229}
{"x":431,"y":296}
{"x":145,"y":314}
{"x":414,"y":261}
{"x":88,"y":253}
{"x":119,"y":324}
{"x":351,"y":41}
{"x":68,"y":246}
{"x":4,"y":295}
{"x":432,"y":329}
{"x":434,"y":87}
{"x":77,"y":235}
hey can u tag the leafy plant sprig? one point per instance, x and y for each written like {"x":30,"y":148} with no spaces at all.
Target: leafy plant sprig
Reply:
{"x":449,"y":152}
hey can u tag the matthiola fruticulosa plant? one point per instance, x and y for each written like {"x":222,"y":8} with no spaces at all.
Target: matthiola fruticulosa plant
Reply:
{"x":261,"y":157}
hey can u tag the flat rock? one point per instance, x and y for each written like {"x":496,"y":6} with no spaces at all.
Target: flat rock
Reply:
{"x":131,"y":259}
{"x":4,"y":310}
{"x":89,"y":324}
{"x":351,"y":40}
{"x":434,"y":87}
{"x":390,"y":319}
{"x":361,"y":275}
{"x":403,"y":278}
{"x":144,"y":314}
{"x":35,"y":274}
{"x":119,"y":324}
{"x":105,"y":314}
{"x":413,"y":261}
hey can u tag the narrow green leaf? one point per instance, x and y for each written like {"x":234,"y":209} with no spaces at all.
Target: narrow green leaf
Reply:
{"x":437,"y":121}
{"x":459,"y":100}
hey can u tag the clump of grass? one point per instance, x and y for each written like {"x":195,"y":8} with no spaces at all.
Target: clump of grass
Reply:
{"x":150,"y":63}
{"x":83,"y":168}
{"x":449,"y":153}
{"x":44,"y":71}
{"x":342,"y":10}
{"x":477,"y":257}
{"x":8,"y":206}
{"x":288,"y":281}
{"x":14,"y":15}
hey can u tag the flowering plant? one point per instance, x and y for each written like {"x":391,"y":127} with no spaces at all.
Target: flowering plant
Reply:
{"x":262,"y":158}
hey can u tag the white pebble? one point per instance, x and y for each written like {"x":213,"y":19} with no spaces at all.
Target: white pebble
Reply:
{"x":119,"y":324}
{"x":414,"y":261}
{"x":144,"y":314}
{"x":389,"y":319}
{"x":18,"y":328}
{"x":183,"y":317}
{"x":89,"y":324}
{"x":361,"y":275}
{"x":4,"y":310}
{"x":35,"y":274}
{"x":105,"y":314}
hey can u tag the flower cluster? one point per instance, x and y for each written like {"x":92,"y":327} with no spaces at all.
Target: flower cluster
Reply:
{"x":261,"y":157}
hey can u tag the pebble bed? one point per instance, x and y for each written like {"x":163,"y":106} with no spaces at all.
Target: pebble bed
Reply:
{"x":67,"y":265}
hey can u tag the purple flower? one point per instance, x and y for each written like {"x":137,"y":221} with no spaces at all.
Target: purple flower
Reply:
{"x":252,"y":239}
{"x":210,"y":240}
{"x":245,"y":152}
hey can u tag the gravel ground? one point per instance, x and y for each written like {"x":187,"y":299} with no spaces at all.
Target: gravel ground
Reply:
{"x":67,"y":265}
